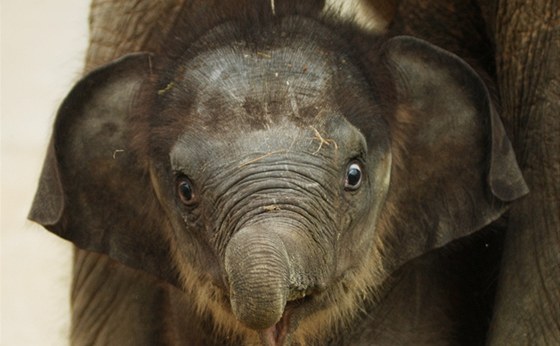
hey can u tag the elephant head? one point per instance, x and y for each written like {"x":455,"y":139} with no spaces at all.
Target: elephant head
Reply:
{"x":277,"y":176}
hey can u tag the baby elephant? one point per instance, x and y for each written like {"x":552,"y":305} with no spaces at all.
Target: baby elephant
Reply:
{"x":276,"y":170}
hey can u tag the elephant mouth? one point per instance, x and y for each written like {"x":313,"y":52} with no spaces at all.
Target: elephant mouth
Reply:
{"x":279,"y":334}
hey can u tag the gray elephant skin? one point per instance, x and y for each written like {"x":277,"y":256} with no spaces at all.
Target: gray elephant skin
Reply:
{"x":275,"y":175}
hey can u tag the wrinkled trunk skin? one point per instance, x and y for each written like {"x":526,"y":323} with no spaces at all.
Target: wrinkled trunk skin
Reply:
{"x":258,"y":270}
{"x":527,"y":310}
{"x":267,"y":266}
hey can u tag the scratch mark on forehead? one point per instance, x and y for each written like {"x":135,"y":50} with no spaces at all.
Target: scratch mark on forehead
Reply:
{"x":293,"y":102}
{"x":287,"y":82}
{"x":262,"y":157}
{"x":326,"y":141}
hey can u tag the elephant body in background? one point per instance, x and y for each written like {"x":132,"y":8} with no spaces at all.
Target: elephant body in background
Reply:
{"x":525,"y":43}
{"x":447,"y":285}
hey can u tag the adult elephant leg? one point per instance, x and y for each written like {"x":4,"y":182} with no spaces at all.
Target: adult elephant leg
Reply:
{"x":527,"y":310}
{"x":120,"y":27}
{"x":105,"y":294}
{"x":113,"y":304}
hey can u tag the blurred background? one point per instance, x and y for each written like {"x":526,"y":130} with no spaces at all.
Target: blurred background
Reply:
{"x":42,"y":50}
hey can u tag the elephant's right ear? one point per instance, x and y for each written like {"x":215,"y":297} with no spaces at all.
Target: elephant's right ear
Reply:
{"x":95,"y":189}
{"x":454,"y":170}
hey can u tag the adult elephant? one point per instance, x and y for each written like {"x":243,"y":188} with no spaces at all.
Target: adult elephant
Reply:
{"x":525,"y":42}
{"x":527,"y":298}
{"x":527,"y":45}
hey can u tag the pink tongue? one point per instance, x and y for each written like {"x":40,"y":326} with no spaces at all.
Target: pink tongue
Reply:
{"x":275,"y":335}
{"x":272,"y":336}
{"x":269,"y":336}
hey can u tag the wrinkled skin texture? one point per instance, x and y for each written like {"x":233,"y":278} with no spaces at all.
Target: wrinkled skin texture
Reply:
{"x":528,"y":295}
{"x":207,"y":283}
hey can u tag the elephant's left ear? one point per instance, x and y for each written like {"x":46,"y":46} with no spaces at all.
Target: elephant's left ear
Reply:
{"x":95,"y":188}
{"x":454,"y":169}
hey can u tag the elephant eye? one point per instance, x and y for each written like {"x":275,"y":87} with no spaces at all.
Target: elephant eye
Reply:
{"x":185,"y":190}
{"x":353,"y":176}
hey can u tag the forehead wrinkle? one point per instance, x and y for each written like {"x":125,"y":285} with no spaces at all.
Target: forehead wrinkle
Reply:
{"x":285,"y":79}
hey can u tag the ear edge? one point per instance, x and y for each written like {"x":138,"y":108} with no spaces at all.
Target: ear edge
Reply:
{"x":48,"y":205}
{"x":505,"y":179}
{"x":57,"y":200}
{"x":500,"y":179}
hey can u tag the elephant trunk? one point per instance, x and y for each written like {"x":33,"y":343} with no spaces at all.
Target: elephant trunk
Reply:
{"x":258,"y":269}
